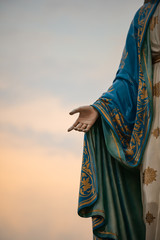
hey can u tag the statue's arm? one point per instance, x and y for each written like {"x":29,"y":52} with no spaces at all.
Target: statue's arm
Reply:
{"x":124,"y":85}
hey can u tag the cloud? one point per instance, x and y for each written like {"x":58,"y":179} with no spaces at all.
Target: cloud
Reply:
{"x":42,"y":114}
{"x":42,"y":122}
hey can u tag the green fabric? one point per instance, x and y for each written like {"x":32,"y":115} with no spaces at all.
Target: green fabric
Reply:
{"x":119,"y":192}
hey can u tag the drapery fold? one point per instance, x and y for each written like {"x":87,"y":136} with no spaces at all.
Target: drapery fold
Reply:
{"x":113,"y":148}
{"x":116,"y":190}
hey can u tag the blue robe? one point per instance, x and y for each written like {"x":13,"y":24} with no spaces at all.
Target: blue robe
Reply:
{"x":110,"y":189}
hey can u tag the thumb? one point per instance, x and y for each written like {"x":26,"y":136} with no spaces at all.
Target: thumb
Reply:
{"x":76,"y":110}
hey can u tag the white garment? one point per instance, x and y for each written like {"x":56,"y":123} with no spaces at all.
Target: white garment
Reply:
{"x":150,"y":168}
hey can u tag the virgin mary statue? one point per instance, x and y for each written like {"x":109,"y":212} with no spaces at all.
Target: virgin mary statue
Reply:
{"x":120,"y":175}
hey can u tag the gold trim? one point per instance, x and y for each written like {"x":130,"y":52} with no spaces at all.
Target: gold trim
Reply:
{"x":116,"y":145}
{"x":144,"y":27}
{"x":147,"y":70}
{"x":105,"y":114}
{"x":95,"y":225}
{"x":136,"y":160}
{"x":96,"y":211}
{"x":87,"y":201}
{"x":114,"y":234}
{"x":111,"y":130}
{"x":141,"y":73}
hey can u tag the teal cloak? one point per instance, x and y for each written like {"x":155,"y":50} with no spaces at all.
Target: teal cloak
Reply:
{"x":110,"y":189}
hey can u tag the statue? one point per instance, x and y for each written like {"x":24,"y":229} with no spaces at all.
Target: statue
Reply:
{"x":120,"y":176}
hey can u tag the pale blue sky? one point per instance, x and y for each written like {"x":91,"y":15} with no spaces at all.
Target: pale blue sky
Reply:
{"x":55,"y":56}
{"x":55,"y":47}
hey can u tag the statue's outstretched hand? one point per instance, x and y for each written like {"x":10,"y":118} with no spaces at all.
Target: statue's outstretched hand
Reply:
{"x":87,"y":117}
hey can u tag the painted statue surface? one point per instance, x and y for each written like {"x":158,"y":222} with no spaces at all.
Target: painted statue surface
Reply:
{"x":121,"y":128}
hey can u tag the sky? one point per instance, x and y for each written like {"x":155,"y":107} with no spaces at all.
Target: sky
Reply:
{"x":56,"y":55}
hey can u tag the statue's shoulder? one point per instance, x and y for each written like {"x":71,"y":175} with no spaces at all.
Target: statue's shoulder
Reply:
{"x":144,"y":13}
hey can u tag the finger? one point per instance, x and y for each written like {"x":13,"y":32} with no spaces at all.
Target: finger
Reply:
{"x":87,"y":128}
{"x":72,"y":127}
{"x":78,"y":127}
{"x":76,"y":110}
{"x":82,"y":128}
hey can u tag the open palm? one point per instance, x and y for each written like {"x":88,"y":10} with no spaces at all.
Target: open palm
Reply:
{"x":87,"y":117}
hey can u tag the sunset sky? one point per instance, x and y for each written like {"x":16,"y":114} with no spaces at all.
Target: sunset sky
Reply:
{"x":55,"y":56}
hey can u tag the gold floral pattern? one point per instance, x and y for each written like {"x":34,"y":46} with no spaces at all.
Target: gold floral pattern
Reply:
{"x":156,"y":132}
{"x":154,"y":21}
{"x":149,"y":218}
{"x":87,"y":192}
{"x":149,"y":175}
{"x":85,"y":183}
{"x":156,"y":90}
{"x":86,"y":187}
